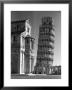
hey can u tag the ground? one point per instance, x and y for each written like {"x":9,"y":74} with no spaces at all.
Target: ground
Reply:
{"x":17,"y":76}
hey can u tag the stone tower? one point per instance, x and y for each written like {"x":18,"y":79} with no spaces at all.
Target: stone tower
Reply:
{"x":45,"y":47}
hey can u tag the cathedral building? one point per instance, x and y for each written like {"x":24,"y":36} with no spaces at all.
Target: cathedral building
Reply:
{"x":22,"y":45}
{"x":45,"y":47}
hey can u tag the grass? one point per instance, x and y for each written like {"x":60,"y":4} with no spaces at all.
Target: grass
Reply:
{"x":38,"y":76}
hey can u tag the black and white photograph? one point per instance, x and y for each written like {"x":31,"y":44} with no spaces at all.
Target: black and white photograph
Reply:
{"x":36,"y":45}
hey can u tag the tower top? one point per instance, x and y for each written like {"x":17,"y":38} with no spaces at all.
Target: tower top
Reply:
{"x":47,"y":20}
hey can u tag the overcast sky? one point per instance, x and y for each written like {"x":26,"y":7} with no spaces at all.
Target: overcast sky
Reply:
{"x":35,"y":20}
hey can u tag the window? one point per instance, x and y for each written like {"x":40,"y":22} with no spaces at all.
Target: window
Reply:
{"x":27,"y":41}
{"x":14,"y":38}
{"x":28,"y":30}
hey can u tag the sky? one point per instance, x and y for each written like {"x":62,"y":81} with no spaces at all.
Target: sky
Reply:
{"x":35,"y":21}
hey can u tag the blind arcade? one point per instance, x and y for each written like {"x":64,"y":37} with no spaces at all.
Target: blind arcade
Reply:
{"x":22,"y":57}
{"x":26,"y":50}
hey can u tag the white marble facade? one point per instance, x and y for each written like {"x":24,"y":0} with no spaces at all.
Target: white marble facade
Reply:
{"x":23,"y":35}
